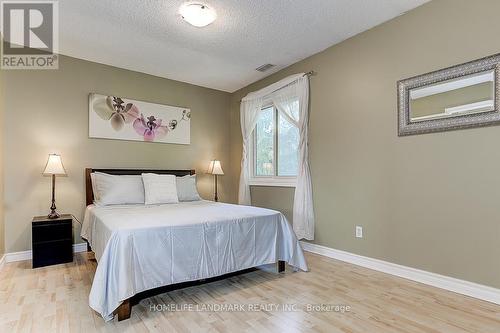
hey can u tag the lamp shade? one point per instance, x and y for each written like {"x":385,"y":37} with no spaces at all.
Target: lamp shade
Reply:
{"x":54,"y":166}
{"x":215,"y":168}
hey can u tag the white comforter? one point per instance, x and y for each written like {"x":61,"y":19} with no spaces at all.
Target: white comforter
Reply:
{"x":143,"y":247}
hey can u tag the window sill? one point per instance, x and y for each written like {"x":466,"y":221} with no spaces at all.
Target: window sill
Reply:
{"x":272,"y":183}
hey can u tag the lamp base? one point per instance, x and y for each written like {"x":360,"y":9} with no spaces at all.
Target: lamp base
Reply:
{"x":53,"y":215}
{"x":216,"y":196}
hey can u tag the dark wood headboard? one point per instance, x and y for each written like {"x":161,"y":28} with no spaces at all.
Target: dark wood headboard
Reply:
{"x":88,"y":181}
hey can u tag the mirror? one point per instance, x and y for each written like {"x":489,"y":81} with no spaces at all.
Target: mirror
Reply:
{"x":465,"y":95}
{"x":457,"y":97}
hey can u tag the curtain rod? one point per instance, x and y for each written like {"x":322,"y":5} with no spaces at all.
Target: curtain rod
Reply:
{"x":310,"y":73}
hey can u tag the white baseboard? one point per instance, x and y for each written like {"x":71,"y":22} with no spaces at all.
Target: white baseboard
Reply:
{"x":27,"y":255}
{"x":2,"y":261}
{"x":467,"y":288}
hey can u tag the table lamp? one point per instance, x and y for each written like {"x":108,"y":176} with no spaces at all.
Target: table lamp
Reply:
{"x":54,"y":168}
{"x":215,"y":169}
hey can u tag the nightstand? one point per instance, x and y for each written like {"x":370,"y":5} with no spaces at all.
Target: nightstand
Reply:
{"x":52,"y":240}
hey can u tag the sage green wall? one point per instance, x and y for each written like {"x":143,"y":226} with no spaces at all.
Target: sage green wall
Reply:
{"x":443,"y":221}
{"x":47,"y":111}
{"x":280,"y":198}
{"x":2,"y":225}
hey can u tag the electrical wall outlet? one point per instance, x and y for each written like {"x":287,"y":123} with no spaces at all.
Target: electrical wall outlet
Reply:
{"x":359,"y":231}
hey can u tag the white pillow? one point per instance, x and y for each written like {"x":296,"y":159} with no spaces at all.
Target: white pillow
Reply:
{"x":186,"y":188}
{"x":159,"y":189}
{"x":117,"y":190}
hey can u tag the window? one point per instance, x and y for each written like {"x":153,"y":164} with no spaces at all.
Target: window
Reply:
{"x":275,"y":150}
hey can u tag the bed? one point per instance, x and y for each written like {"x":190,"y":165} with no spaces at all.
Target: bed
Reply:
{"x":141,"y":248}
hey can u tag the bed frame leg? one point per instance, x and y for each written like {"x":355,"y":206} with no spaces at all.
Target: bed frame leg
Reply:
{"x":124,"y":310}
{"x":281,"y":266}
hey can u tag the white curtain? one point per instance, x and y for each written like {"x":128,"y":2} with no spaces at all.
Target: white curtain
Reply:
{"x":291,"y":98}
{"x":292,"y":102}
{"x":249,"y":111}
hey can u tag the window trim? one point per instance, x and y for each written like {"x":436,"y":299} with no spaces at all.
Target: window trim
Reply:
{"x":278,"y":181}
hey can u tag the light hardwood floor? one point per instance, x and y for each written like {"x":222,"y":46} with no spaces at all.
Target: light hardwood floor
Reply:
{"x":55,"y":299}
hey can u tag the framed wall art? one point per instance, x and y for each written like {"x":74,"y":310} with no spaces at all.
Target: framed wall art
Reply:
{"x":112,"y":117}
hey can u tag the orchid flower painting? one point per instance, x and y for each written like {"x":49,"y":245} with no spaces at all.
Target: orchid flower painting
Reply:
{"x":113,"y":117}
{"x":116,"y":111}
{"x":151,"y":129}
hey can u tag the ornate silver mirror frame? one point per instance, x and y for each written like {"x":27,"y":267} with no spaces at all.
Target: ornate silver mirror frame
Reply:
{"x":408,"y":127}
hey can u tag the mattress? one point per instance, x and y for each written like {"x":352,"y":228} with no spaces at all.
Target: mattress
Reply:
{"x":142,"y":247}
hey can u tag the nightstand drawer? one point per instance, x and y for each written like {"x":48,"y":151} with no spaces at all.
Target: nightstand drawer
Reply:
{"x":52,"y":232}
{"x":50,"y":253}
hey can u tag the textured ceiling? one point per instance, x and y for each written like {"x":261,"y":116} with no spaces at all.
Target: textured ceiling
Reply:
{"x":149,"y":36}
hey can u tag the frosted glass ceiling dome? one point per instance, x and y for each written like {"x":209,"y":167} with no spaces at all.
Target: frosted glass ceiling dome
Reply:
{"x":197,"y":14}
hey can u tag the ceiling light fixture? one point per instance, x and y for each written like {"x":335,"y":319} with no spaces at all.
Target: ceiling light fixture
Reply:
{"x":197,"y":14}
